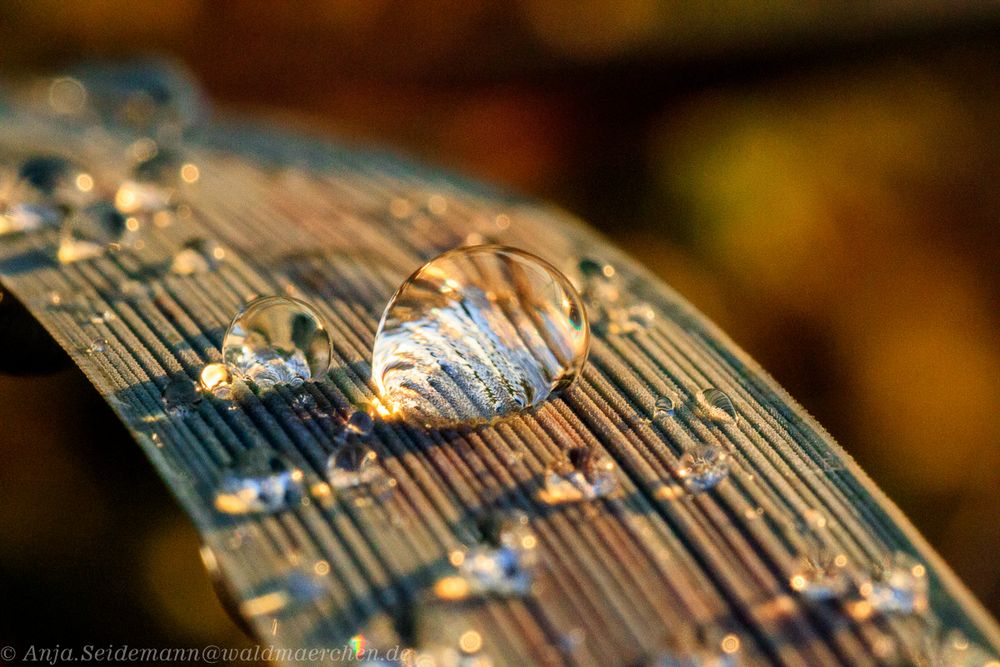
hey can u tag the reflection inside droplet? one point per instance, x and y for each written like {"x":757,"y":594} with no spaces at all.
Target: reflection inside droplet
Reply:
{"x":476,"y":334}
{"x":582,"y":475}
{"x":258,"y":481}
{"x":277,"y":340}
{"x":703,"y":468}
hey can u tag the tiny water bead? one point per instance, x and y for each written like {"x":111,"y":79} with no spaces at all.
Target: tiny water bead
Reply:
{"x":90,"y":232}
{"x":180,"y":396}
{"x":898,"y":585}
{"x":277,"y":340}
{"x":717,"y":406}
{"x":197,"y":256}
{"x":476,"y":334}
{"x":20,"y":218}
{"x":282,"y":595}
{"x":609,"y":305}
{"x":821,"y":575}
{"x":258,"y":481}
{"x":582,"y":475}
{"x":703,"y":468}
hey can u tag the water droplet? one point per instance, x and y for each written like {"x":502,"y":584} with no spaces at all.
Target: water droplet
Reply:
{"x":505,"y":565}
{"x":599,"y":281}
{"x":717,"y":406}
{"x":358,"y":425}
{"x":583,"y":475}
{"x":283,"y":595}
{"x":215,"y":378}
{"x":303,"y":400}
{"x":67,"y":95}
{"x":354,"y":471}
{"x":701,"y":647}
{"x":666,"y":405}
{"x":97,"y":346}
{"x":951,"y":649}
{"x":703,"y":468}
{"x":54,"y":182}
{"x":23,"y":218}
{"x":277,"y":340}
{"x":898,"y":585}
{"x":180,"y":396}
{"x":259,"y":481}
{"x":821,"y":575}
{"x":154,"y":184}
{"x":90,"y":232}
{"x":628,"y":319}
{"x":476,"y":334}
{"x":197,"y":256}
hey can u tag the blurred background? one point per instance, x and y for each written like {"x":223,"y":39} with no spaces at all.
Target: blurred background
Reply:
{"x":819,"y":179}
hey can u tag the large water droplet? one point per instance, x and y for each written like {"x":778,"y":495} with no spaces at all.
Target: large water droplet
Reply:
{"x":90,"y":232}
{"x":717,"y":406}
{"x":898,"y":585}
{"x":703,"y":468}
{"x":355,"y":472}
{"x":277,"y":340}
{"x":821,"y":575}
{"x":258,"y":481}
{"x":197,"y":256}
{"x":476,"y":334}
{"x":582,"y":475}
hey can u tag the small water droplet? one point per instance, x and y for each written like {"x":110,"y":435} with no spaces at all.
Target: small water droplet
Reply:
{"x":358,"y":425}
{"x":583,"y":475}
{"x":97,"y":346}
{"x":89,"y":232}
{"x":503,"y":565}
{"x":258,"y":481}
{"x":717,"y":406}
{"x":283,"y":595}
{"x":216,"y":379}
{"x":354,"y":471}
{"x":666,"y":405}
{"x":154,"y":184}
{"x":197,"y":256}
{"x":950,"y":648}
{"x":303,"y":400}
{"x":22,"y":218}
{"x":821,"y":575}
{"x":701,"y":647}
{"x":277,"y":340}
{"x":703,"y":468}
{"x":628,"y":319}
{"x":54,"y":182}
{"x":180,"y":396}
{"x":898,"y":585}
{"x":476,"y":334}
{"x":67,"y":95}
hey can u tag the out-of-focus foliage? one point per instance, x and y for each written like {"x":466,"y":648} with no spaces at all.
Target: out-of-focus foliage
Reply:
{"x":819,"y":179}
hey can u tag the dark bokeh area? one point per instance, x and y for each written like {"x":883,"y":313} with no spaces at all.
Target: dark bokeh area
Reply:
{"x":819,"y":180}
